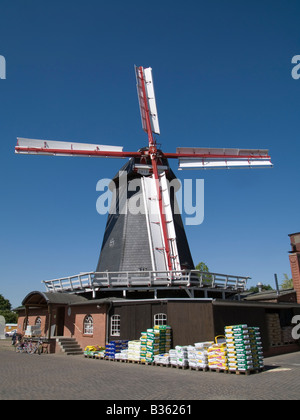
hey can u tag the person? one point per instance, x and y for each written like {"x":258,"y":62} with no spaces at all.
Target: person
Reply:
{"x":14,"y":338}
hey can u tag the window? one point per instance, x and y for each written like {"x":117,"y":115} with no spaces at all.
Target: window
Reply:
{"x":115,"y":325}
{"x":160,"y":319}
{"x":38,"y":321}
{"x":88,"y":325}
{"x":25,"y":323}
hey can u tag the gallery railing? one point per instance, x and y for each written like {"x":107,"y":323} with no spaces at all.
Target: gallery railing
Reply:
{"x":127,"y":279}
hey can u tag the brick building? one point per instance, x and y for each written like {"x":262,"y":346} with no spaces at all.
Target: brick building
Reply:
{"x":295,"y":262}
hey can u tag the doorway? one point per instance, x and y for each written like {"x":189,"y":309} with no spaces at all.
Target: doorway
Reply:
{"x":60,"y":321}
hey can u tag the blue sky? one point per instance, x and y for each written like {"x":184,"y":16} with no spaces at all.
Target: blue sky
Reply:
{"x":222,"y":74}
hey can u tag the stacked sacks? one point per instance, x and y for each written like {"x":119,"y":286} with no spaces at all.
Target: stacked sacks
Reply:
{"x":244,"y":347}
{"x":173,"y":357}
{"x":217,"y":356}
{"x":157,"y":340}
{"x":89,"y":351}
{"x":114,"y":347}
{"x":94,"y":351}
{"x":182,"y":356}
{"x":134,"y":350}
{"x":100,"y":352}
{"x":198,"y":355}
{"x":123,"y":355}
{"x":164,"y":337}
{"x":179,"y":356}
{"x":162,"y":359}
{"x":152,"y":348}
{"x":143,"y":350}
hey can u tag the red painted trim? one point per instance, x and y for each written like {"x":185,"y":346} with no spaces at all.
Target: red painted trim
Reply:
{"x":96,"y":153}
{"x":132,"y":154}
{"x":162,"y":214}
{"x":154,"y":158}
{"x":213,"y":156}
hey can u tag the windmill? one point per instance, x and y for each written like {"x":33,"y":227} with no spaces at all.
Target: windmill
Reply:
{"x":157,"y":232}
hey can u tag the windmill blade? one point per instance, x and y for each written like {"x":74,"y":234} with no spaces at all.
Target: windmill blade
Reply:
{"x":146,"y":76}
{"x":213,"y":158}
{"x":61,"y":148}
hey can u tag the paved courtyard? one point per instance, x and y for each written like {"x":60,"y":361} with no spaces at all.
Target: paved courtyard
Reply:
{"x":60,"y":377}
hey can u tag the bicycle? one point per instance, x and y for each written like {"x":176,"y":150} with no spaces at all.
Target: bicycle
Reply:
{"x":21,"y":347}
{"x":29,"y":347}
{"x":38,"y":348}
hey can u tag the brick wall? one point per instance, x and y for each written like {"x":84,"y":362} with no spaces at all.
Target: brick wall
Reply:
{"x":74,"y":324}
{"x":295,"y":269}
{"x":32,"y":317}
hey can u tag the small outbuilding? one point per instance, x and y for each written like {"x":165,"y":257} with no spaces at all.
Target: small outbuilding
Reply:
{"x":97,"y":321}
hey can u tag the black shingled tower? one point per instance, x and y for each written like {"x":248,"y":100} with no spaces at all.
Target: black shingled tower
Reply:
{"x":125,"y":244}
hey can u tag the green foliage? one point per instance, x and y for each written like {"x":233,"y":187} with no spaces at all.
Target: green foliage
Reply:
{"x":206,"y":279}
{"x":4,"y":304}
{"x":5,"y":310}
{"x":202,"y":267}
{"x":264,"y":288}
{"x":287,"y":282}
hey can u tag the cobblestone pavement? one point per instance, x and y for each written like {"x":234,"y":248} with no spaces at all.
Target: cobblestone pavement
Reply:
{"x":61,"y":377}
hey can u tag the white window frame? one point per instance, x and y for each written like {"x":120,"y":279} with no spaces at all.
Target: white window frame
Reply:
{"x":115,"y":326}
{"x":88,"y":325}
{"x":160,"y":319}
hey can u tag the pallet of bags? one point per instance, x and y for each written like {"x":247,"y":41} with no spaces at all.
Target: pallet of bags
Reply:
{"x":152,"y":345}
{"x":244,"y":348}
{"x":164,"y":337}
{"x":123,"y":355}
{"x":143,"y":348}
{"x":173,"y":357}
{"x":162,"y":359}
{"x":134,"y":350}
{"x":179,"y":356}
{"x":99,"y":352}
{"x":217,"y":357}
{"x":89,"y":351}
{"x":197,"y":358}
{"x":157,"y":341}
{"x":182,"y":356}
{"x":114,"y":347}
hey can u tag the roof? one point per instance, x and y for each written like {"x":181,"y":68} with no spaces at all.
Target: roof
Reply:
{"x":40,"y":298}
{"x":268,"y":294}
{"x":257,"y":304}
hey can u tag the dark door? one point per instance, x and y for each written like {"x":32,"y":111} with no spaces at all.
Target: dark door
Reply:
{"x":60,"y":321}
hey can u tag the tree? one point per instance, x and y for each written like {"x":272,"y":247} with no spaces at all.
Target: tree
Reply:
{"x":4,"y":304}
{"x":287,"y":282}
{"x":206,"y":279}
{"x":5,"y":310}
{"x":202,"y":267}
{"x":263,"y":287}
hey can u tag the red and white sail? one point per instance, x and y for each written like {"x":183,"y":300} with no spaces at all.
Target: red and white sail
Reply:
{"x":63,"y":148}
{"x":213,"y":158}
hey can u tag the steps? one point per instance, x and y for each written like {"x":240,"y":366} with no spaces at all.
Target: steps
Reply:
{"x":69,"y":346}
